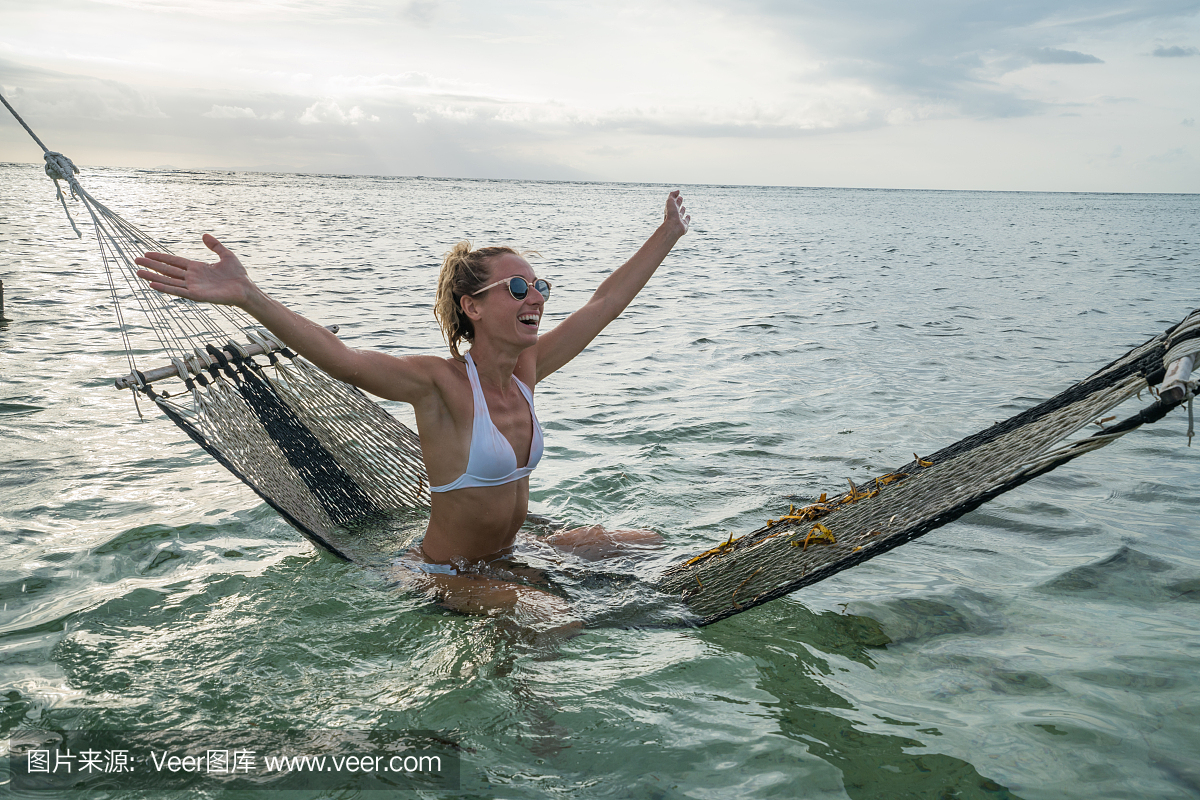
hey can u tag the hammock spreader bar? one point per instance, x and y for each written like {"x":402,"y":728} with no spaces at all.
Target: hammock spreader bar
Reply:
{"x":194,"y":365}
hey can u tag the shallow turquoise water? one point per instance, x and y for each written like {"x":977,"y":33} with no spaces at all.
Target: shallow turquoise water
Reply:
{"x":1046,"y":645}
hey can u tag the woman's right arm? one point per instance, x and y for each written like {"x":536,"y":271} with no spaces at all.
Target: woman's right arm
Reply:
{"x":227,"y":283}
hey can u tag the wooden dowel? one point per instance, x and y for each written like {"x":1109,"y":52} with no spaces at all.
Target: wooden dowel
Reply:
{"x":131,"y":380}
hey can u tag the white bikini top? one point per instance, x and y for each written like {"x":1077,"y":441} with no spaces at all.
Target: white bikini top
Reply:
{"x":492,"y":461}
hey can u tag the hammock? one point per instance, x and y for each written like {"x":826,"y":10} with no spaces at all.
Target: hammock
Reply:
{"x":811,"y":543}
{"x":316,"y":449}
{"x":326,"y":457}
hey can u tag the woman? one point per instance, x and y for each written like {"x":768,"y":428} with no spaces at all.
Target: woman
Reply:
{"x":479,"y":434}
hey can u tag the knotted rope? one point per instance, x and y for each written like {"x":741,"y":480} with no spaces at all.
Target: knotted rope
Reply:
{"x":61,"y":168}
{"x":58,"y":167}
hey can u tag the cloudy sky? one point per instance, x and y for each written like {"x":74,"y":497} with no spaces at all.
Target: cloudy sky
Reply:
{"x":1102,"y":95}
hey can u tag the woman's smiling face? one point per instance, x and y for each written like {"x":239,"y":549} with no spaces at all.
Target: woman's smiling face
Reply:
{"x":501,"y":311}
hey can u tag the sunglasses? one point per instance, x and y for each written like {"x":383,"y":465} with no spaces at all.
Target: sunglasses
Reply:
{"x":518,"y":287}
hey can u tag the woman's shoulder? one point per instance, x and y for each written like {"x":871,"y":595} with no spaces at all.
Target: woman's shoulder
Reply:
{"x":446,"y":372}
{"x":436,"y":369}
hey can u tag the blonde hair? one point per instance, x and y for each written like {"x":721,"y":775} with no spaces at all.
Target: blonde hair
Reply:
{"x":464,"y":272}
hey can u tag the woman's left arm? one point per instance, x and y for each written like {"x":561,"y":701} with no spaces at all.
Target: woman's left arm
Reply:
{"x":576,"y":332}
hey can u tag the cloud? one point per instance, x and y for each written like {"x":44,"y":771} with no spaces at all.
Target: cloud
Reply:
{"x":329,"y":112}
{"x":420,"y":12}
{"x":253,"y":10}
{"x":48,"y":94}
{"x":456,"y":113}
{"x":956,"y":58}
{"x":1175,"y":155}
{"x":410,"y":83}
{"x":237,"y":112}
{"x":1109,"y":158}
{"x":554,"y":120}
{"x":695,"y":90}
{"x":229,"y":112}
{"x":1175,"y":52}
{"x":1051,"y":55}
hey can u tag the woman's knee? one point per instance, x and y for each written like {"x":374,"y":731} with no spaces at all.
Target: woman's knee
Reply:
{"x":642,"y":537}
{"x":593,"y":541}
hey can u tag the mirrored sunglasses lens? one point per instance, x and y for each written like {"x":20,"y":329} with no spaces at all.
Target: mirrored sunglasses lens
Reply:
{"x":518,"y":288}
{"x":543,"y":288}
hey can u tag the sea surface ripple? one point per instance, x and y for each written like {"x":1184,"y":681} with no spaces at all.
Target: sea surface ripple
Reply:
{"x":1044,"y":646}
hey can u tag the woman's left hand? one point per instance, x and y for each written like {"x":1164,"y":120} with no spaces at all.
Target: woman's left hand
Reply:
{"x":675,"y":218}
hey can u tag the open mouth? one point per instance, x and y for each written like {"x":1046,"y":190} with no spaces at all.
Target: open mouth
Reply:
{"x":529,"y":319}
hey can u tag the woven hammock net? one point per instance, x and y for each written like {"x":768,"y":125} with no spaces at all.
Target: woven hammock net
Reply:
{"x":816,"y":541}
{"x":325,"y":456}
{"x":316,"y":449}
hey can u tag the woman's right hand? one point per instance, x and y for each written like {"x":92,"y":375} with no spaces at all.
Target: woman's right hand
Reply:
{"x":224,"y":283}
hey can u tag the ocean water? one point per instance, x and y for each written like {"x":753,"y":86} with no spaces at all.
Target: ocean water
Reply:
{"x":1044,"y":646}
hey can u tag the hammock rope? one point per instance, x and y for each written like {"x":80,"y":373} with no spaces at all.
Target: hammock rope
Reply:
{"x":326,"y":457}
